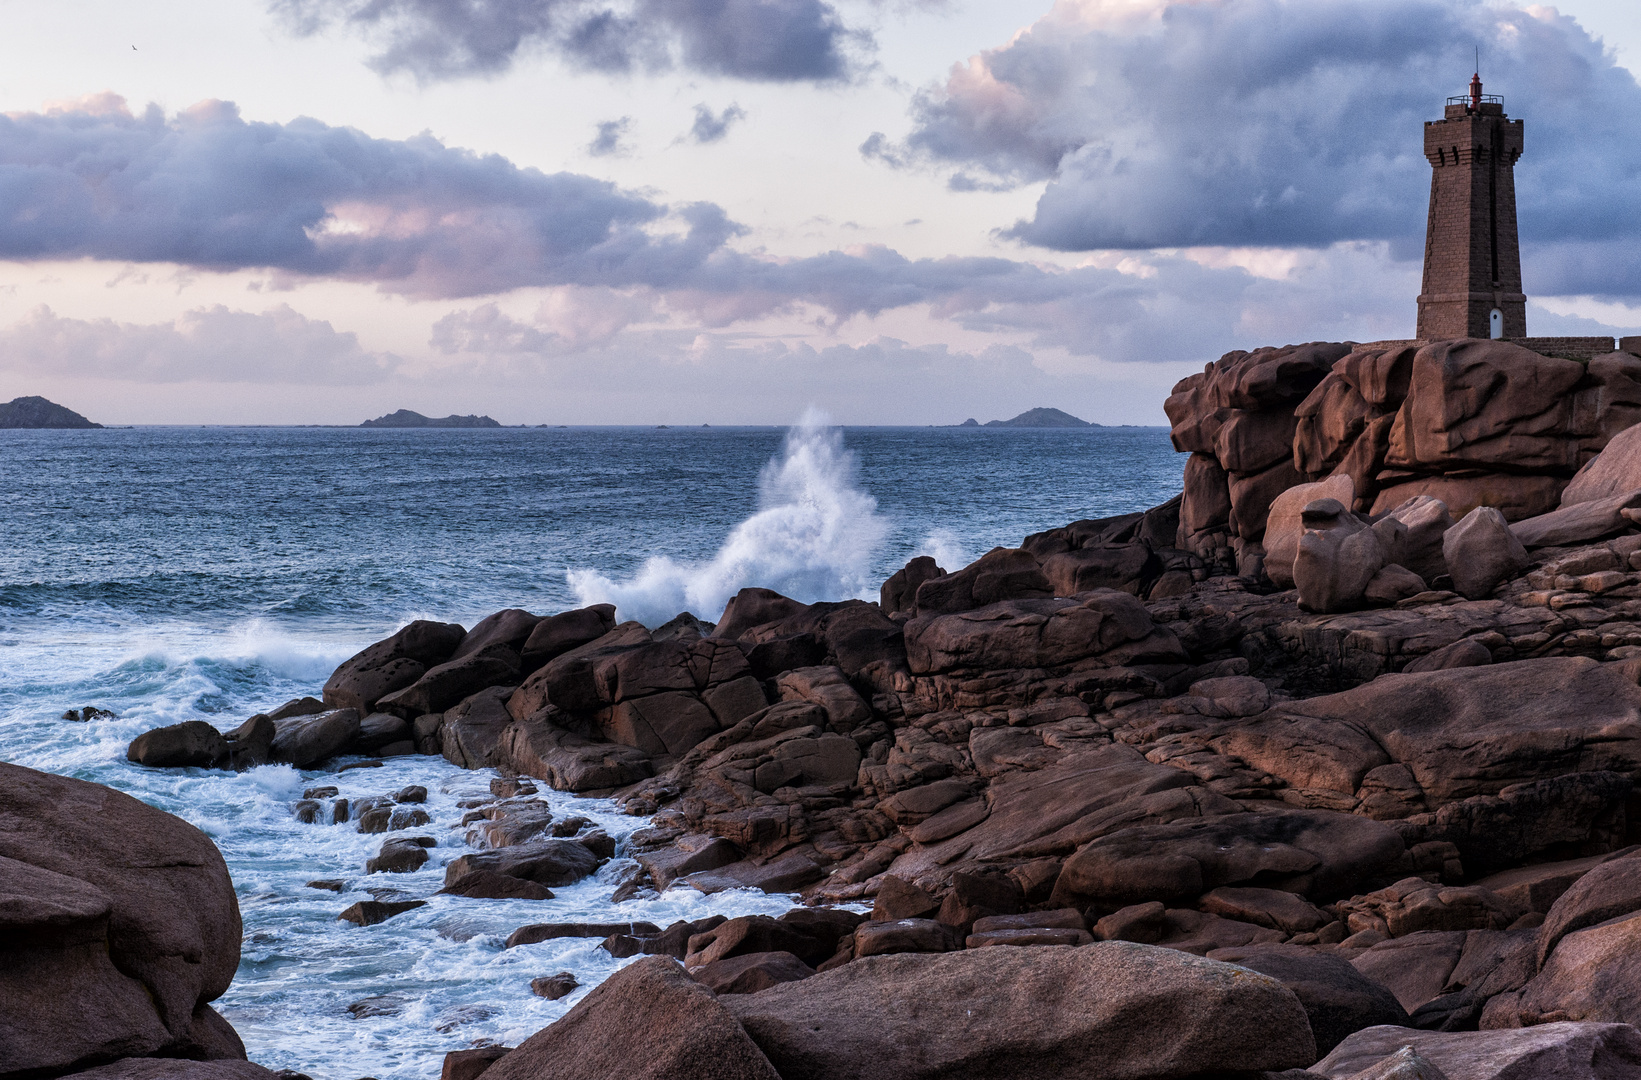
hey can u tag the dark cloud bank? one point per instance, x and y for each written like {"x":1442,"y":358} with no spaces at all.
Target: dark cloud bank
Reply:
{"x":1249,"y":122}
{"x":758,"y":40}
{"x":1291,"y":122}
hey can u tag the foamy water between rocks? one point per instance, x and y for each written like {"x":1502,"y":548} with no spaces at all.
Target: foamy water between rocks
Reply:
{"x":173,"y":575}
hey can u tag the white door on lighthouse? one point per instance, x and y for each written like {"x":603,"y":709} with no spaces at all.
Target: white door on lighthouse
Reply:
{"x":1495,"y":324}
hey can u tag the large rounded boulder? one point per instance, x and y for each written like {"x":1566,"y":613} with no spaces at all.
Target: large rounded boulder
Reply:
{"x":118,"y":926}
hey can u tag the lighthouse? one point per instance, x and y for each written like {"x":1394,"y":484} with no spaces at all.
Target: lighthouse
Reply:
{"x":1472,"y":259}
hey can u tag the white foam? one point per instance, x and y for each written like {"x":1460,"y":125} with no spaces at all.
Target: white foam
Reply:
{"x":945,"y":548}
{"x":814,"y":537}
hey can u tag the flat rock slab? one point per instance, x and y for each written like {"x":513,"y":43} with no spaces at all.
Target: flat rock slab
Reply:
{"x":1564,"y":1051}
{"x":1463,"y":732}
{"x":1115,"y":1010}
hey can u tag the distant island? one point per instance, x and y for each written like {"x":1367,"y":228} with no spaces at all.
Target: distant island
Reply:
{"x":404,"y":418}
{"x":1034,"y":418}
{"x":37,"y":412}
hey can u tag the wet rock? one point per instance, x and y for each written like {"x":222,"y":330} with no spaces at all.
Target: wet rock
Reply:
{"x":400,"y":856}
{"x":757,"y":934}
{"x":190,"y":744}
{"x":508,"y":823}
{"x":472,"y":730}
{"x":251,"y":743}
{"x":673,"y":941}
{"x":489,"y":885}
{"x":1106,"y":1009}
{"x":119,"y":927}
{"x":371,"y":912}
{"x":469,"y":1064}
{"x":1564,"y":1051}
{"x":538,"y":932}
{"x":391,"y":664}
{"x":380,"y":1005}
{"x":682,"y":627}
{"x":546,"y":862}
{"x":328,"y":884}
{"x":90,"y":712}
{"x":1338,"y":999}
{"x":687,"y":855}
{"x":1481,"y":552}
{"x":553,"y":987}
{"x":308,"y":741}
{"x":752,"y":972}
{"x":783,"y":874}
{"x":537,"y":747}
{"x":632,"y":1026}
{"x":379,"y":730}
{"x":302,"y":706}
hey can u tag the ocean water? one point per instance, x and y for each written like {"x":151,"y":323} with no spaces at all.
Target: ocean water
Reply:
{"x":170,"y":574}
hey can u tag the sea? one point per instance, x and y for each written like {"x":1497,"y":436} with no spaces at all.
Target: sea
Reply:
{"x":208,"y":573}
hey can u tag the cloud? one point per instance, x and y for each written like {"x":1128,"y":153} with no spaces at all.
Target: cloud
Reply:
{"x":709,"y":128}
{"x":756,"y":40}
{"x":607,"y":142}
{"x":208,"y":190}
{"x":1278,"y":122}
{"x":213,"y":345}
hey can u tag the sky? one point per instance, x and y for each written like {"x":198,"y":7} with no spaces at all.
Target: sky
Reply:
{"x":729,"y":211}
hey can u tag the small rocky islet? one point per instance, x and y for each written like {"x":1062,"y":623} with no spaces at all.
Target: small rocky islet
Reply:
{"x":1325,"y":768}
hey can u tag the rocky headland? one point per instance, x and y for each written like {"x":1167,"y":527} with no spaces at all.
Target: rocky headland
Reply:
{"x":1325,"y":768}
{"x":37,"y":412}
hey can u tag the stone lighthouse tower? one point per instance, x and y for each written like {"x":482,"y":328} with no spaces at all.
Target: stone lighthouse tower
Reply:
{"x":1472,"y":260}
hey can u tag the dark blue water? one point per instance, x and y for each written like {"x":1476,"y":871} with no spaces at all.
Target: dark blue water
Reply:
{"x":208,"y":573}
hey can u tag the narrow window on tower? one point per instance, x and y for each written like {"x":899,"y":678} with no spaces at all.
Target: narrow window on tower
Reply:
{"x":1495,"y":324}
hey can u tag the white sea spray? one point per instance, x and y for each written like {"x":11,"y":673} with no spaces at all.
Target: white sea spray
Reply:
{"x":814,"y":537}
